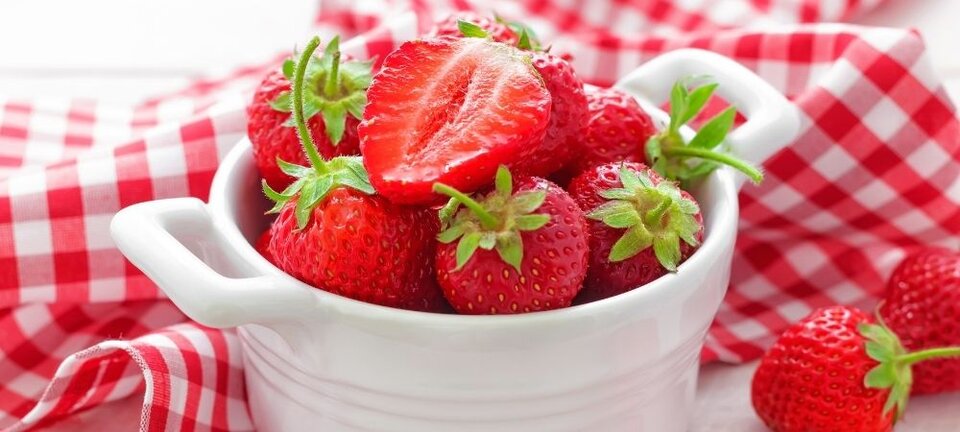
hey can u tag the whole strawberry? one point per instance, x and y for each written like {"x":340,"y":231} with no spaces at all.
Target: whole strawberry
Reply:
{"x":922,"y":306}
{"x":521,"y":247}
{"x":836,"y":371}
{"x":641,"y":226}
{"x":616,"y":129}
{"x":568,"y":110}
{"x":335,"y":97}
{"x":334,"y":233}
{"x":453,"y":26}
{"x":450,"y":110}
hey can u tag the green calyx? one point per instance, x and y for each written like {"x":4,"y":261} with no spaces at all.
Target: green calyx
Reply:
{"x":527,"y":38}
{"x":493,"y":221}
{"x":334,"y":89}
{"x":893,"y":371}
{"x":671,"y":156}
{"x":650,"y":215}
{"x":313,"y":183}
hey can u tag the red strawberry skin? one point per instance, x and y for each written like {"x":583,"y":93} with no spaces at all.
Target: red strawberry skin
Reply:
{"x":450,"y":110}
{"x":362,"y":247}
{"x":605,"y":278}
{"x":263,"y":246}
{"x":616,"y":129}
{"x":500,"y":32}
{"x":811,"y":380}
{"x":272,"y":140}
{"x":922,"y":307}
{"x":553,"y":267}
{"x":568,"y":115}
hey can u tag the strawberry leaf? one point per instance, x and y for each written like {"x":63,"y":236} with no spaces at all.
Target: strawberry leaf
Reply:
{"x":713,"y":133}
{"x":510,"y":249}
{"x":293,"y":170}
{"x":531,"y":222}
{"x":288,"y":67}
{"x":630,"y":243}
{"x":529,"y":201}
{"x":493,"y":220}
{"x":667,"y":250}
{"x":467,"y":246}
{"x":670,"y":155}
{"x":281,"y":102}
{"x":470,"y":29}
{"x":696,"y":100}
{"x":450,"y":234}
{"x":503,"y":182}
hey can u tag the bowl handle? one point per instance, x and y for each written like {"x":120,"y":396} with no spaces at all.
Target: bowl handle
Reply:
{"x":173,"y":240}
{"x":772,"y":121}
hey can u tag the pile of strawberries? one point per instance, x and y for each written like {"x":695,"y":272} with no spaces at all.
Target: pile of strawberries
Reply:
{"x":435,"y":183}
{"x":475,"y":171}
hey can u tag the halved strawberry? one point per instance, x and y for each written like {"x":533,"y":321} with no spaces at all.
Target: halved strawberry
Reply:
{"x":450,"y":110}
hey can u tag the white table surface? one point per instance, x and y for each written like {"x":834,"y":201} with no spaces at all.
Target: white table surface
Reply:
{"x":118,"y":50}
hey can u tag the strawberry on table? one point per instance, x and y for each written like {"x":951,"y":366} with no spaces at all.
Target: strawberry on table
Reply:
{"x":836,"y":370}
{"x":450,"y":110}
{"x":521,"y":247}
{"x":336,"y":234}
{"x":922,"y":307}
{"x":641,"y":226}
{"x":335,"y":96}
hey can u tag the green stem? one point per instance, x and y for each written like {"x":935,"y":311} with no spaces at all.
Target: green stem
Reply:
{"x":488,"y":220}
{"x":331,"y":87}
{"x":919,"y":356}
{"x":309,"y":147}
{"x":653,"y":217}
{"x":722,"y":158}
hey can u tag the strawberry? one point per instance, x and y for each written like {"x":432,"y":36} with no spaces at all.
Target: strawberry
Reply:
{"x":450,"y":110}
{"x":641,"y":226}
{"x":334,"y":233}
{"x":336,"y":91}
{"x":263,"y":246}
{"x":453,"y":26}
{"x":616,"y":129}
{"x":922,"y":307}
{"x":836,"y":370}
{"x":568,"y":112}
{"x":521,"y":247}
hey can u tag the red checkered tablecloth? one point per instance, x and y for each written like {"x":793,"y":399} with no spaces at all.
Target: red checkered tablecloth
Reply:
{"x":871,"y":174}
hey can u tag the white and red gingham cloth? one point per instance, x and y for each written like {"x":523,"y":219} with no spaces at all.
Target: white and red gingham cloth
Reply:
{"x":871,"y":175}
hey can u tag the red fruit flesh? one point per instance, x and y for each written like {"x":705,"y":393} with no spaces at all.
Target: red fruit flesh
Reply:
{"x":616,"y":129}
{"x":811,"y":380}
{"x":272,"y":140}
{"x":450,"y":111}
{"x":362,"y":247}
{"x":553,"y":266}
{"x":498,"y":31}
{"x":922,"y":307}
{"x":568,"y":115}
{"x":606,"y":278}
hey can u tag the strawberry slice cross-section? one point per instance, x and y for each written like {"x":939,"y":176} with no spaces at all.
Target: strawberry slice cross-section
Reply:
{"x":450,"y":110}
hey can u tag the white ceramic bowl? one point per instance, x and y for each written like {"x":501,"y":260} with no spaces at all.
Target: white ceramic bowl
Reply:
{"x":318,"y":361}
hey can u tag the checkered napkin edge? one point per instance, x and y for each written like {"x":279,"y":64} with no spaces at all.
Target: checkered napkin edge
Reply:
{"x":870,"y":176}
